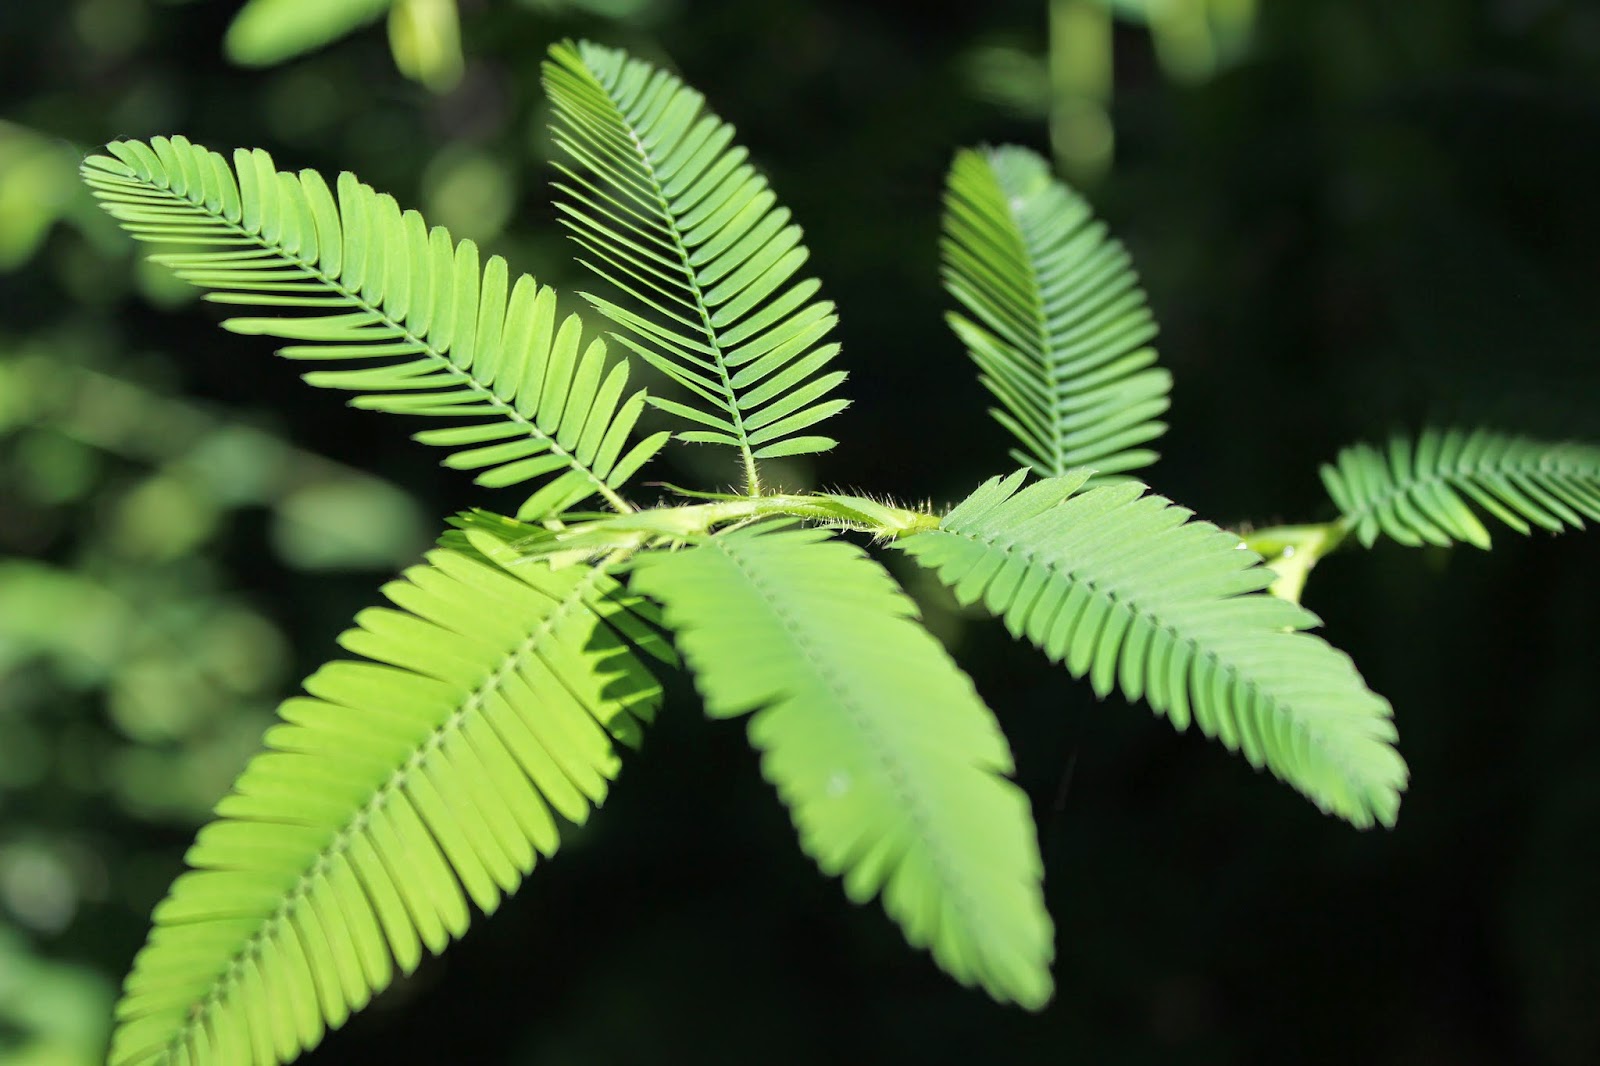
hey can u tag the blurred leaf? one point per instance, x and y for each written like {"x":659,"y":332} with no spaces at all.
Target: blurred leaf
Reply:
{"x":346,"y":525}
{"x":54,"y":469}
{"x":163,"y":518}
{"x":62,"y":615}
{"x":37,"y":886}
{"x":1010,"y":77}
{"x":266,"y":32}
{"x":61,"y":1011}
{"x":239,"y":649}
{"x":153,"y":699}
{"x":470,"y":193}
{"x":36,"y":187}
{"x":241,"y":465}
{"x":161,"y":286}
{"x":425,"y":37}
{"x":181,"y":783}
{"x":326,"y":515}
{"x":1194,"y":38}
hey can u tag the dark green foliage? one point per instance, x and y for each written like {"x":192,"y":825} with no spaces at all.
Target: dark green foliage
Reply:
{"x":1417,"y":491}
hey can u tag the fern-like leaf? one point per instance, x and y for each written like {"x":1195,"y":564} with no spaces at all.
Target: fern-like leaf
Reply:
{"x":440,"y":335}
{"x":1417,"y":491}
{"x":1123,"y":588}
{"x":1062,"y":326}
{"x":892,"y":767}
{"x":396,"y":791}
{"x":667,"y":209}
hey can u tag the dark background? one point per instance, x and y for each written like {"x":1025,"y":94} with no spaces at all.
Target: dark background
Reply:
{"x":1377,"y":213}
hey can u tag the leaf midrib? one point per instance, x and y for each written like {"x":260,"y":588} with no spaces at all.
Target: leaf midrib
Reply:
{"x":1050,"y":364}
{"x":692,"y":280}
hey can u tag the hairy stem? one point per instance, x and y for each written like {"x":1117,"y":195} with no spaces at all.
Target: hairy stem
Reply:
{"x":657,"y":526}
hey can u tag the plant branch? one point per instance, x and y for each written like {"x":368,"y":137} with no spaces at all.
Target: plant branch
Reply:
{"x":1291,"y":552}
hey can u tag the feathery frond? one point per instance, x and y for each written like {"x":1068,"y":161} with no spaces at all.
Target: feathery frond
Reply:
{"x":1062,"y":326}
{"x":891,"y":766}
{"x":1123,"y":588}
{"x":396,"y":791}
{"x":1417,"y":490}
{"x":667,"y":209}
{"x":370,"y":282}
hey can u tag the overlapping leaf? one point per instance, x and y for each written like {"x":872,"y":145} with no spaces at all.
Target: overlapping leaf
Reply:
{"x":1418,"y":491}
{"x":440,"y":335}
{"x":1124,"y":588}
{"x":892,"y":767}
{"x":667,"y":209}
{"x":398,"y":790}
{"x":1062,"y":326}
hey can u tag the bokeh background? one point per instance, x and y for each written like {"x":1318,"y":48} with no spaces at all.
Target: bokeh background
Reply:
{"x":1351,"y":215}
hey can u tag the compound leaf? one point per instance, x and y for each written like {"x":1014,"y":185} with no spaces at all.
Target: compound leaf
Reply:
{"x":431,"y":773}
{"x":1062,"y":329}
{"x":669,"y":210}
{"x":892,"y":767}
{"x":1123,"y":588}
{"x":436,"y":334}
{"x":1419,"y":490}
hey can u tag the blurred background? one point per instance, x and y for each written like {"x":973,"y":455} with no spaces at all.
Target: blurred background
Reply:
{"x":1351,"y":215}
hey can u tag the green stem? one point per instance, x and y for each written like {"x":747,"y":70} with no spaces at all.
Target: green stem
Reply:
{"x":657,"y":526}
{"x":752,"y":476}
{"x":849,"y":512}
{"x":1291,"y":552}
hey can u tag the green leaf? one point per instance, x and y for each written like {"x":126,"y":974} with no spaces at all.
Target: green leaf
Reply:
{"x":425,"y":40}
{"x":432,"y":332}
{"x":1124,"y":589}
{"x":489,"y":703}
{"x":668,"y":210}
{"x":891,"y":766}
{"x":1062,"y":325}
{"x":1420,"y":491}
{"x":266,"y":32}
